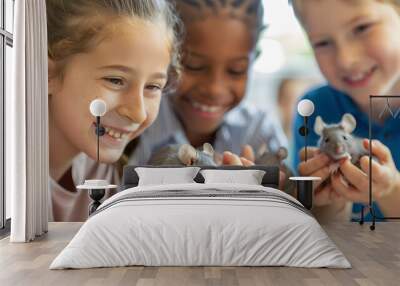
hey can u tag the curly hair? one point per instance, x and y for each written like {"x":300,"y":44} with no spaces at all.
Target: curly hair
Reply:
{"x":250,"y":12}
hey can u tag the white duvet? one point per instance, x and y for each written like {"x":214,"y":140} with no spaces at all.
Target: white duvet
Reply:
{"x":205,"y":230}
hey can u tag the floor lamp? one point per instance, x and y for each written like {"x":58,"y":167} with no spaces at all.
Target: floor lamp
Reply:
{"x":305,"y":108}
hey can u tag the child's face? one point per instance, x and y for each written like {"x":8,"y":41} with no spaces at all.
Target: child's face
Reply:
{"x":128,"y":70}
{"x":356,"y":44}
{"x":215,"y":66}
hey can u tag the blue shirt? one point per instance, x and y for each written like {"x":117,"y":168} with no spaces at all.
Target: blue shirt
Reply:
{"x":245,"y":124}
{"x":331,"y":104}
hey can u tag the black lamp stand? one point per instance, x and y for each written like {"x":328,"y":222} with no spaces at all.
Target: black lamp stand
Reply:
{"x":303,"y":130}
{"x":305,"y":187}
{"x":97,"y":194}
{"x":305,"y":193}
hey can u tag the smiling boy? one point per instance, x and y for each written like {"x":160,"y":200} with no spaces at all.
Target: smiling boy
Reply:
{"x":358,"y":51}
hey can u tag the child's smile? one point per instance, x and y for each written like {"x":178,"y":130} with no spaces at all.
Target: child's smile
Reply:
{"x":355,"y":47}
{"x":115,"y":137}
{"x":360,"y":79}
{"x":128,"y":72}
{"x":207,"y":111}
{"x":216,"y":59}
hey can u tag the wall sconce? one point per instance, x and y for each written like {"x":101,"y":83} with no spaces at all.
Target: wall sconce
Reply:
{"x":98,"y":108}
{"x":305,"y":108}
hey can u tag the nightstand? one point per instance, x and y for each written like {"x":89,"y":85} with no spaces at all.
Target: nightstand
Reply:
{"x":97,"y":189}
{"x":305,"y":189}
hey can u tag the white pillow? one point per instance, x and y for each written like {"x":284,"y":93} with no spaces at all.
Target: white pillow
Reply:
{"x":162,"y":176}
{"x":249,"y":177}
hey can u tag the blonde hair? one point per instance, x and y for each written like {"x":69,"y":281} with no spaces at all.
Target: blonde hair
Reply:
{"x":297,"y":5}
{"x":75,"y":26}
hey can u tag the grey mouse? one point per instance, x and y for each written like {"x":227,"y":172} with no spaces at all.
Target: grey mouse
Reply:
{"x":336,"y":140}
{"x":183,"y":155}
{"x":266,"y":157}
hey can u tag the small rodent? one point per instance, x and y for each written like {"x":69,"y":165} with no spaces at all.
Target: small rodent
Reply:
{"x":266,"y":157}
{"x":183,"y":155}
{"x":336,"y":140}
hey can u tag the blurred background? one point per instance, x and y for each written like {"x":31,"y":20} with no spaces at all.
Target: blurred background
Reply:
{"x":284,"y":70}
{"x":286,"y":67}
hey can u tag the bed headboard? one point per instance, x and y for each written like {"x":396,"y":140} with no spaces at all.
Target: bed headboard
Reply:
{"x":130,"y":178}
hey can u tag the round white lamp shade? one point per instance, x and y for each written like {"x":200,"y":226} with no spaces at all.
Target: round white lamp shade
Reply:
{"x":98,"y":107}
{"x":305,"y":107}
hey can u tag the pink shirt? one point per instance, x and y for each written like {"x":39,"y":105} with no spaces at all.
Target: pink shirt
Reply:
{"x":73,"y":206}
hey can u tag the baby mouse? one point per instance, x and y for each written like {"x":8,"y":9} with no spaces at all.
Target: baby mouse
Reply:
{"x":270,"y":158}
{"x":337,"y":142}
{"x":183,"y":155}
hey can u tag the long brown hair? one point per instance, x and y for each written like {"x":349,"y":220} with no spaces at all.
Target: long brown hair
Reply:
{"x":75,"y":26}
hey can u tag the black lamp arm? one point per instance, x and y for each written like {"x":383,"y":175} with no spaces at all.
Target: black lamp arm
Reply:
{"x":100,"y":131}
{"x":305,"y":137}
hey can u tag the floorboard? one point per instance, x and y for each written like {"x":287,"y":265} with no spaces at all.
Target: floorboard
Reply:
{"x":374,"y":255}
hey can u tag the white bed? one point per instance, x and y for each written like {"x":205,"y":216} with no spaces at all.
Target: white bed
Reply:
{"x":201,"y":224}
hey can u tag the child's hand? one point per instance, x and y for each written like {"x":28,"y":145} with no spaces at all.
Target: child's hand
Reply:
{"x":385,"y":177}
{"x":317,"y":165}
{"x":228,"y":158}
{"x":246,"y":157}
{"x":248,"y":153}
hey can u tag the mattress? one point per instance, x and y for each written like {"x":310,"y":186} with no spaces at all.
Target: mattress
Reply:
{"x":201,"y":225}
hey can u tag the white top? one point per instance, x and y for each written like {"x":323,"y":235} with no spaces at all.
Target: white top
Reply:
{"x":72,"y":205}
{"x":305,"y":178}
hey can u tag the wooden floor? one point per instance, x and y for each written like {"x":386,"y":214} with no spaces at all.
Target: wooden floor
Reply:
{"x":375,"y":257}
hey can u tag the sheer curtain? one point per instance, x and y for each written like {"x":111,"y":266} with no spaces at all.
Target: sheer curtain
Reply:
{"x":27,"y":124}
